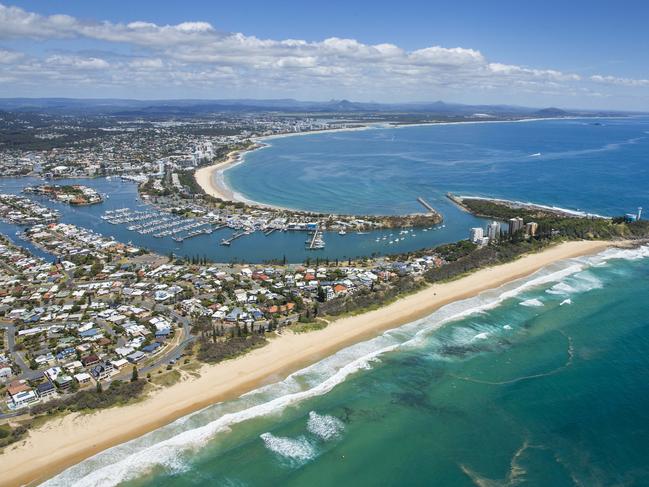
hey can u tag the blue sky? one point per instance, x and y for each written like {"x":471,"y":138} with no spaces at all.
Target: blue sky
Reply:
{"x":572,"y":53}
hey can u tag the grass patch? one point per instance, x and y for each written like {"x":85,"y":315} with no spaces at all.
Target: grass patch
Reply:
{"x":307,"y":327}
{"x":376,"y":306}
{"x":191,"y":366}
{"x":9,"y":435}
{"x":167,"y":379}
{"x":214,"y":352}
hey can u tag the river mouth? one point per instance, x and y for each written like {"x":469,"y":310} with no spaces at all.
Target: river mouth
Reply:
{"x":561,"y":163}
{"x":253,"y":248}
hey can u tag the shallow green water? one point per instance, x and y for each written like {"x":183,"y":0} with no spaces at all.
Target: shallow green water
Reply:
{"x":542,"y":383}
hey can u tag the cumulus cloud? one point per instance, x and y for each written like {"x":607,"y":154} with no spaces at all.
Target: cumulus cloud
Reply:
{"x":76,"y":62}
{"x":195,"y":54}
{"x":7,"y":57}
{"x":614,"y":80}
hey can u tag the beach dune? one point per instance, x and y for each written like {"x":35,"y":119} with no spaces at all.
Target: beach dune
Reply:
{"x":65,"y":441}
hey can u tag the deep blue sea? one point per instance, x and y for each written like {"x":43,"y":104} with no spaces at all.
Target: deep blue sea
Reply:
{"x":543,"y":382}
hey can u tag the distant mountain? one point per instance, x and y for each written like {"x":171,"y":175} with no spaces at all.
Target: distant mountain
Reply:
{"x":185,"y":108}
{"x":551,"y":112}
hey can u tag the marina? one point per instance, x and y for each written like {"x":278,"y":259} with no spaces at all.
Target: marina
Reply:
{"x":104,"y":258}
{"x":316,"y":242}
{"x":158,"y":224}
{"x":127,"y":218}
{"x":293,"y":244}
{"x":228,"y":241}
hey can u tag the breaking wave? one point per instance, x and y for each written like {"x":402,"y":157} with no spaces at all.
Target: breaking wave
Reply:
{"x":170,"y":447}
{"x":295,"y":450}
{"x":325,"y":427}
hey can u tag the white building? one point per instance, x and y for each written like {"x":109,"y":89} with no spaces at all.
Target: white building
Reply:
{"x":476,"y":234}
{"x":493,"y":231}
{"x":531,"y":228}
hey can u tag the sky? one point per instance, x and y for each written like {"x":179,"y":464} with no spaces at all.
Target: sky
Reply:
{"x":569,"y":53}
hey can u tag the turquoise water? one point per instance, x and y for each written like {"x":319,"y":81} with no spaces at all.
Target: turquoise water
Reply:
{"x":543,"y":382}
{"x":599,"y":166}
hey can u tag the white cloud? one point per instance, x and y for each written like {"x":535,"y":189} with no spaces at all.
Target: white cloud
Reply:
{"x":194,"y":55}
{"x":7,"y":57}
{"x":146,"y":63}
{"x":613,"y":80}
{"x":76,"y":62}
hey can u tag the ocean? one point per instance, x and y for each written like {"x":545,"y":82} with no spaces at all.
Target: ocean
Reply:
{"x":594,"y":165}
{"x":542,"y":382}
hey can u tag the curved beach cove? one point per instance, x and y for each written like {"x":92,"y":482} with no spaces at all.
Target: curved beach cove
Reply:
{"x":534,"y":380}
{"x":595,"y":165}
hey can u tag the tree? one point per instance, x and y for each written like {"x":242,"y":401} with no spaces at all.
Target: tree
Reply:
{"x":134,"y":374}
{"x":99,"y":388}
{"x":95,"y":268}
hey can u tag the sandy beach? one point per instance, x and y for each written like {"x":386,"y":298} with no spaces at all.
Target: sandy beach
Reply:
{"x":65,"y":441}
{"x":207,"y":182}
{"x":211,"y":178}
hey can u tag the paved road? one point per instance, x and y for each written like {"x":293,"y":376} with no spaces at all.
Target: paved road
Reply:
{"x":25,"y":371}
{"x":174,"y":354}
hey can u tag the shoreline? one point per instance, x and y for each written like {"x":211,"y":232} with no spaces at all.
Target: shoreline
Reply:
{"x":566,"y":212}
{"x":212,"y":180}
{"x":65,"y":441}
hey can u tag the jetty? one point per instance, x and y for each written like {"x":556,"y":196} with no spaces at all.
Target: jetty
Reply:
{"x":425,"y":204}
{"x":228,"y":241}
{"x":316,"y":242}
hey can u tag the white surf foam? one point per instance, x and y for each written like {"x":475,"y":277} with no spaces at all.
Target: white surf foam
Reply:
{"x":634,"y":253}
{"x":565,"y":301}
{"x":168,"y":453}
{"x":168,"y":446}
{"x":486,"y":301}
{"x":532,"y":303}
{"x":294,"y":449}
{"x":324,"y":426}
{"x":561,"y":288}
